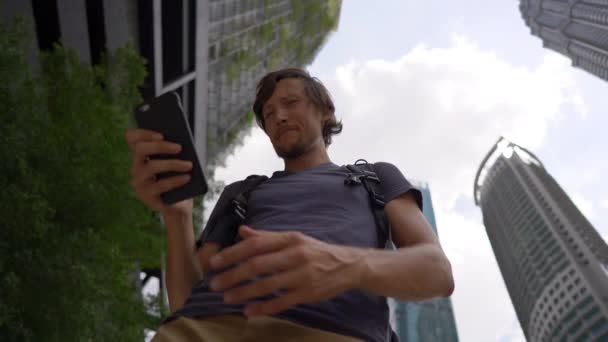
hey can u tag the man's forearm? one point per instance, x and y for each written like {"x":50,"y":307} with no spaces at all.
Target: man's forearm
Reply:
{"x":183,"y":269}
{"x":419,"y":272}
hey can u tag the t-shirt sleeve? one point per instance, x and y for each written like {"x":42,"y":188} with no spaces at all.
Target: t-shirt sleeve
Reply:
{"x":394,"y":184}
{"x":227,"y":194}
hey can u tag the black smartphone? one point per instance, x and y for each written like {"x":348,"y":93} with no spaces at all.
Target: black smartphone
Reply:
{"x":165,"y":114}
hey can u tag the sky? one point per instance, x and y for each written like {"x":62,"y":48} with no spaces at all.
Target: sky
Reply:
{"x":430,"y":86}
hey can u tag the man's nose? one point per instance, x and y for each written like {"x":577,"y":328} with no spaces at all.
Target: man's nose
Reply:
{"x":281,"y":115}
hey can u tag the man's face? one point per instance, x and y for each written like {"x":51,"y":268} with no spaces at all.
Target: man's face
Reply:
{"x":292,"y":121}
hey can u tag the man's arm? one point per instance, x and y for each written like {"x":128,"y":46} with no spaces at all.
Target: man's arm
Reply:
{"x":418,"y":269}
{"x":183,"y":268}
{"x":313,"y":270}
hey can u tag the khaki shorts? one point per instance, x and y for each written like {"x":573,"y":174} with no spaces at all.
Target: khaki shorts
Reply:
{"x":237,"y":328}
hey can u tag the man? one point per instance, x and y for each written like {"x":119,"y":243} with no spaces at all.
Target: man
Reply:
{"x":306,"y":266}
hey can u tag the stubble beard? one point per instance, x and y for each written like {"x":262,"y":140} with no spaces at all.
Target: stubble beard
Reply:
{"x":292,"y":151}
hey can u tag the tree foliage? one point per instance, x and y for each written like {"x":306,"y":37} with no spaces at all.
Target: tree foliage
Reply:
{"x":72,"y":234}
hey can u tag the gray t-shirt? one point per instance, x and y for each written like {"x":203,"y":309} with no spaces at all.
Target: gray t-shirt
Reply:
{"x":316,"y":202}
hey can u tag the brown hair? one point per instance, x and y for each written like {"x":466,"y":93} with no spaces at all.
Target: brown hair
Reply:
{"x":315,"y":91}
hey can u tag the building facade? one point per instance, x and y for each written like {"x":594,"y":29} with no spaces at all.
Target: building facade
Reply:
{"x":211,"y":52}
{"x":553,"y":262}
{"x":575,"y":28}
{"x":424,"y":321}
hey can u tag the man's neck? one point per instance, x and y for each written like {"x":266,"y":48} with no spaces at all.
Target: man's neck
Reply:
{"x":307,"y":160}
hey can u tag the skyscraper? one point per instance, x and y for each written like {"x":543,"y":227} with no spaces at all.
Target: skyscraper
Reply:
{"x":430,"y":320}
{"x":553,"y":262}
{"x":575,"y":28}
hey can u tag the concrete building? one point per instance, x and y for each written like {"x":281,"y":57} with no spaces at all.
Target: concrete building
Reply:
{"x":553,"y":262}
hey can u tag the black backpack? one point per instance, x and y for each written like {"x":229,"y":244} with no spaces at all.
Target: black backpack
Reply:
{"x":231,"y":210}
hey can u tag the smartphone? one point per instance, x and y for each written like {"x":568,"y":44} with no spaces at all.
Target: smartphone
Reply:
{"x":165,"y":114}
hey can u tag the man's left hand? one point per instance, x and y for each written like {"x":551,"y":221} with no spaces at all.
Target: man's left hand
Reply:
{"x":306,"y":269}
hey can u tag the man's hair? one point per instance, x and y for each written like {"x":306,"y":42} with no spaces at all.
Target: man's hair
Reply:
{"x":315,"y":90}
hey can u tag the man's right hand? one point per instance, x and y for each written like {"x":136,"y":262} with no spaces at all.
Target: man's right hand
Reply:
{"x":143,"y":144}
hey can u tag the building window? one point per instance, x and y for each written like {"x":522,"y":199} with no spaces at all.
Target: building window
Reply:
{"x":96,"y":26}
{"x":591,"y":313}
{"x":47,"y":23}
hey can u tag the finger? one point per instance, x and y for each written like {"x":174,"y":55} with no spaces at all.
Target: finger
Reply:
{"x":143,"y":150}
{"x":253,"y":267}
{"x":135,"y":135}
{"x":276,"y":305}
{"x":207,"y":250}
{"x":264,"y":286}
{"x":148,"y":148}
{"x":167,"y":184}
{"x":153,"y":201}
{"x":143,"y":174}
{"x":247,"y":232}
{"x":263,"y":243}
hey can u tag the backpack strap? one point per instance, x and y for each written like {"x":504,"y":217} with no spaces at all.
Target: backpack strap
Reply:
{"x":232,"y":212}
{"x":364,"y":173}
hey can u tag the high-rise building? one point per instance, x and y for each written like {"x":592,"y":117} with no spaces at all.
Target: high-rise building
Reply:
{"x":553,"y":262}
{"x":575,"y":28}
{"x":429,"y":320}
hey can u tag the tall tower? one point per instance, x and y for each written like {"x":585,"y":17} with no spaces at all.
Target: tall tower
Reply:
{"x":575,"y":28}
{"x":430,"y":320}
{"x":553,"y":262}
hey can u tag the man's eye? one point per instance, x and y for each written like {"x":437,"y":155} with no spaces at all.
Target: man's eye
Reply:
{"x":267,"y":114}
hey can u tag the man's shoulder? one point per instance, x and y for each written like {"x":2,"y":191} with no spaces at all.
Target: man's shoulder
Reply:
{"x":384,"y":166}
{"x":250,"y":181}
{"x":379,"y":167}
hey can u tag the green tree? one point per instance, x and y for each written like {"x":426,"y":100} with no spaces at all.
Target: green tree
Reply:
{"x":72,"y":233}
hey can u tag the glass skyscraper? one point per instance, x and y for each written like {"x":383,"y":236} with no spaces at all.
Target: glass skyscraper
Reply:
{"x":553,"y":262}
{"x":575,"y":28}
{"x":424,"y":321}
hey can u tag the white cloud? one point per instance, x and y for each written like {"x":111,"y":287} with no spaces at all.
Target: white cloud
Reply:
{"x":584,"y":205}
{"x":434,"y":113}
{"x":604,"y":204}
